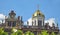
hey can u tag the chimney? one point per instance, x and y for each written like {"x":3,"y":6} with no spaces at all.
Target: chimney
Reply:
{"x":21,"y":18}
{"x":27,"y":24}
{"x":18,"y":17}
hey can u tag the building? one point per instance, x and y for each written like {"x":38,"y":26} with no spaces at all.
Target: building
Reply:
{"x":37,"y":23}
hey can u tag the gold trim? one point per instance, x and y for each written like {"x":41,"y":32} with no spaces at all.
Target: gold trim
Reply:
{"x":38,"y":13}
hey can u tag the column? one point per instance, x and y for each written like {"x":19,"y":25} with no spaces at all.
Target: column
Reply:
{"x":32,"y":24}
{"x":6,"y":24}
{"x":11,"y":24}
{"x":35,"y":22}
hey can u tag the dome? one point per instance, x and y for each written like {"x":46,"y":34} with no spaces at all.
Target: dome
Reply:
{"x":12,"y":13}
{"x":38,"y":13}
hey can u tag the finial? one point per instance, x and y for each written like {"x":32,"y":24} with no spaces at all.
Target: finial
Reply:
{"x":38,"y":6}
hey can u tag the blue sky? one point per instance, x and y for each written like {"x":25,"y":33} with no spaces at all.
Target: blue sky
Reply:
{"x":25,"y":8}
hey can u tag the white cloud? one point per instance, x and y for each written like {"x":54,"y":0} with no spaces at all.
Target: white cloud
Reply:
{"x":50,"y":21}
{"x":29,"y":20}
{"x":2,"y":17}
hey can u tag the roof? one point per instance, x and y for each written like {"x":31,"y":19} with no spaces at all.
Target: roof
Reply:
{"x":38,"y":13}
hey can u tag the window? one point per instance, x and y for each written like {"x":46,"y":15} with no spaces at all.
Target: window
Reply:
{"x":35,"y":22}
{"x":39,"y":23}
{"x":9,"y":23}
{"x":14,"y":24}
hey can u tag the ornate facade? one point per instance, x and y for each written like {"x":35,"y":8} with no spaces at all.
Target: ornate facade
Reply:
{"x":37,"y":27}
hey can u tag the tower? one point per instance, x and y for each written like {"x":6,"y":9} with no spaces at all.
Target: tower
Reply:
{"x":38,"y":19}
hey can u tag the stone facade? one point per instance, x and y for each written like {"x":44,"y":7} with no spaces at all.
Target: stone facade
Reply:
{"x":37,"y":23}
